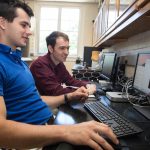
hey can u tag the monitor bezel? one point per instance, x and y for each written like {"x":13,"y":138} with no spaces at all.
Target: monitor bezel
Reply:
{"x":110,"y":78}
{"x":118,"y":63}
{"x":135,"y":73}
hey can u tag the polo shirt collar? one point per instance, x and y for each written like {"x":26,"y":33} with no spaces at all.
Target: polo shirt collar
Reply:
{"x":15,"y":53}
{"x":4,"y":48}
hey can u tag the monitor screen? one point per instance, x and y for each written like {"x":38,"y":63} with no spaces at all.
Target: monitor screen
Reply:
{"x":142,"y":80}
{"x":87,"y":54}
{"x":126,"y":66}
{"x":142,"y":73}
{"x":107,"y":66}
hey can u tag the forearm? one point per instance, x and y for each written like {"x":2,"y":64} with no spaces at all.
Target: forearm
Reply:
{"x":80,"y":94}
{"x":75,"y":82}
{"x":53,"y":101}
{"x":19,"y":135}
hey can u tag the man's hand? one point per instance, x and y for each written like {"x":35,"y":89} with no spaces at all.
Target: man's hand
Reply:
{"x":80,"y":95}
{"x":91,"y":88}
{"x":92,"y":134}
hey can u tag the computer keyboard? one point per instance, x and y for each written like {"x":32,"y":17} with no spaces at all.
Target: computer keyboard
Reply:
{"x":120,"y":125}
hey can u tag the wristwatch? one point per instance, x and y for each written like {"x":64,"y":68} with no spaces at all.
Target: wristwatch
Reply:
{"x":66,"y":99}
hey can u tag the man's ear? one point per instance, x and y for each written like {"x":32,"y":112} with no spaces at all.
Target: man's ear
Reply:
{"x":50,"y":49}
{"x":2,"y":23}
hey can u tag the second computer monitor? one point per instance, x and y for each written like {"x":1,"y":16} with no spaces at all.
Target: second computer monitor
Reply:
{"x":142,"y":73}
{"x":108,"y":65}
{"x":126,"y":66}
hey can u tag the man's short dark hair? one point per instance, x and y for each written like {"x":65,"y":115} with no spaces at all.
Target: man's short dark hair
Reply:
{"x":51,"y":39}
{"x":8,"y":9}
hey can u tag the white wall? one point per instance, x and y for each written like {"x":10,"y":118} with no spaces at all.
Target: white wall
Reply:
{"x":135,"y":44}
{"x":88,"y":14}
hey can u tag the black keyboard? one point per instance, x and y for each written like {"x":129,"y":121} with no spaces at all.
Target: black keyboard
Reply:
{"x":120,"y":125}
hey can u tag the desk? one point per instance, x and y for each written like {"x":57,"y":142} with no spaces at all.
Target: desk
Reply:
{"x":76,"y":114}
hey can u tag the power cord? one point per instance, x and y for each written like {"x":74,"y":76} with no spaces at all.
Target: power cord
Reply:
{"x":136,"y":98}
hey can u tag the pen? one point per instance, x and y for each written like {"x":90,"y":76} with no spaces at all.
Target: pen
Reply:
{"x":69,"y":86}
{"x":73,"y":87}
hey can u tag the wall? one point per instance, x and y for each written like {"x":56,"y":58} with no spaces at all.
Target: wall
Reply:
{"x":32,"y":37}
{"x":135,"y":44}
{"x":88,"y":14}
{"x":69,"y":65}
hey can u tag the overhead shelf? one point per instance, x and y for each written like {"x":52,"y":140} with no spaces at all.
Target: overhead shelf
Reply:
{"x":134,"y":21}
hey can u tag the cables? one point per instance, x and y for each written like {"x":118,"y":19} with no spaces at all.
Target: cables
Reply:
{"x":126,"y":84}
{"x":136,"y":98}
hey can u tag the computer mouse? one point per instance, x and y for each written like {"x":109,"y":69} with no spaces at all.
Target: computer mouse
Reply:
{"x":115,"y":146}
{"x":100,"y":92}
{"x":107,"y":89}
{"x":147,"y":137}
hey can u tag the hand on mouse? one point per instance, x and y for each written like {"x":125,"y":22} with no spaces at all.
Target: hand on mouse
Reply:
{"x":91,"y":133}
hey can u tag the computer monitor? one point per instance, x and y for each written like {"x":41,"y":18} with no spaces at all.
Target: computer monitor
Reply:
{"x":87,"y":54}
{"x":142,"y":73}
{"x":126,"y":66}
{"x":142,"y":82}
{"x":108,"y":66}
